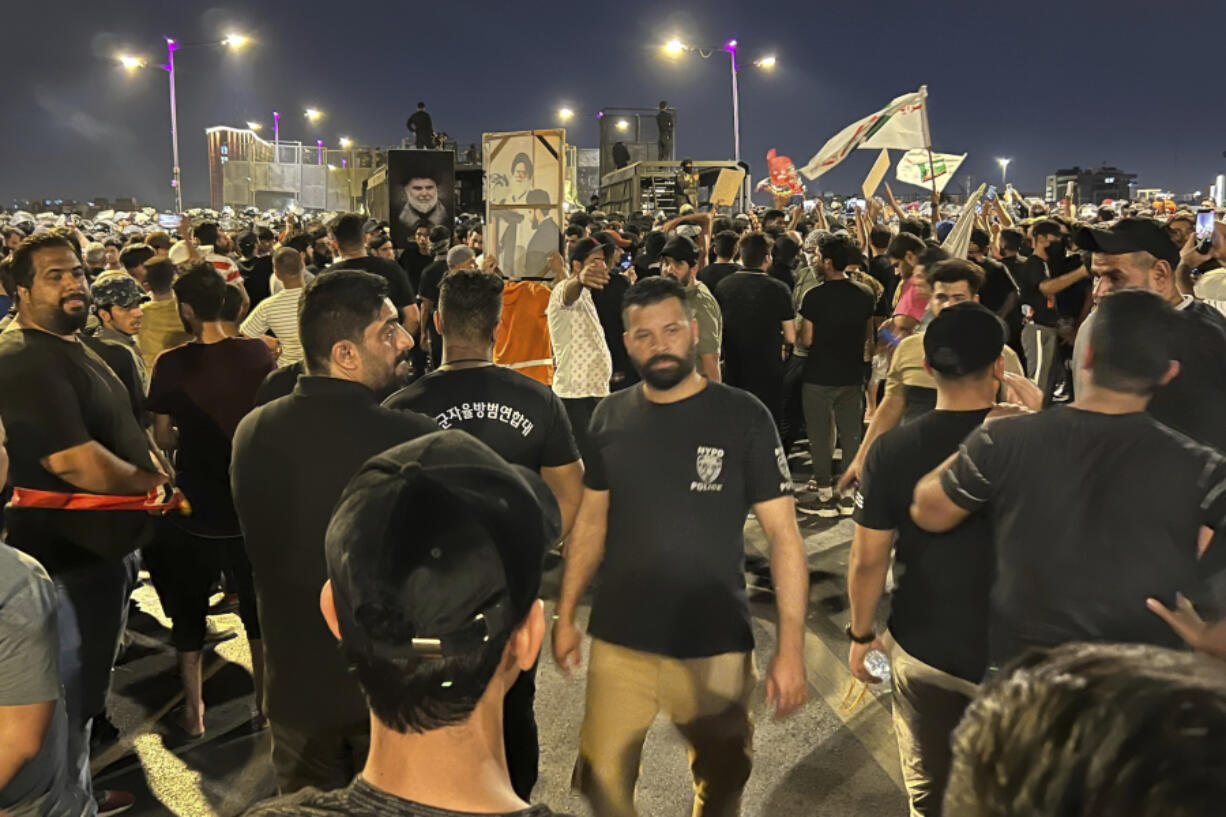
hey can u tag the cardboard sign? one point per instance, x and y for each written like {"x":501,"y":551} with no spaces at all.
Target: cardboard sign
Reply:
{"x":873,"y":180}
{"x":727,"y":186}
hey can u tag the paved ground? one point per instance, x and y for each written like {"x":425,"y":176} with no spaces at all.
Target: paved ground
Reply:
{"x":829,"y":759}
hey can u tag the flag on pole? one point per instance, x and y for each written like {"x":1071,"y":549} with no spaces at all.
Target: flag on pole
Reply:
{"x":922,"y":169}
{"x":902,"y":124}
{"x":958,"y":242}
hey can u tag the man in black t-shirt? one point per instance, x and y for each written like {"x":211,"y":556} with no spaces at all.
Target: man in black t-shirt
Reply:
{"x":724,"y":245}
{"x":198,"y":393}
{"x":676,"y":463}
{"x":71,"y":432}
{"x":838,"y":320}
{"x":291,"y":460}
{"x":1096,"y":507}
{"x":758,"y":322}
{"x":881,"y":268}
{"x":521,"y":419}
{"x":347,"y":232}
{"x":437,"y":622}
{"x":416,"y":258}
{"x":937,"y":641}
{"x":999,"y":292}
{"x":1135,"y":253}
{"x":427,"y":294}
{"x":422,"y":127}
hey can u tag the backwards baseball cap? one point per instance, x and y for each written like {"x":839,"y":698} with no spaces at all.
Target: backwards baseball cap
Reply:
{"x":680,"y":248}
{"x":964,"y":338}
{"x":410,"y":585}
{"x":1130,"y":235}
{"x":118,"y":289}
{"x":583,"y":248}
{"x":246,"y":242}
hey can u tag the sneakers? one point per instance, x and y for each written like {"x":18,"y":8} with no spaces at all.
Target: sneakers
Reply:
{"x":847,"y":505}
{"x":111,"y":802}
{"x":823,"y":504}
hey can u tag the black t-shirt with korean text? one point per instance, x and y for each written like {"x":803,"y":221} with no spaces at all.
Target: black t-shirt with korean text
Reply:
{"x":681,"y":478}
{"x":1093,"y":513}
{"x":57,"y":394}
{"x":520,"y":418}
{"x":939,"y":609}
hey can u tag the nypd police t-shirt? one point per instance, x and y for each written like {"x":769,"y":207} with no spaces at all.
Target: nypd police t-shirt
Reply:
{"x":681,"y":478}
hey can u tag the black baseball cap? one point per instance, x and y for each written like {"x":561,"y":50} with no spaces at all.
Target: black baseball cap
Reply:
{"x":965,"y":338}
{"x":435,"y":547}
{"x":680,"y":248}
{"x":1130,"y":235}
{"x":583,"y":248}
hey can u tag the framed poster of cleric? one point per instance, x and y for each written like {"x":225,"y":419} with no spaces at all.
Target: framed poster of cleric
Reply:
{"x":420,"y":190}
{"x":524,"y":191}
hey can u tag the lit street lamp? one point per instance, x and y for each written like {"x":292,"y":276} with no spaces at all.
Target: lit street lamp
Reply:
{"x":675,"y":48}
{"x":622,"y":124}
{"x":255,"y":126}
{"x":1004,"y":169}
{"x":565,"y":114}
{"x":346,"y":142}
{"x":131,"y":63}
{"x":313,"y":114}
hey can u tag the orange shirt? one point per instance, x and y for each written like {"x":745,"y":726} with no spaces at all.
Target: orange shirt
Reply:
{"x":523,"y":336}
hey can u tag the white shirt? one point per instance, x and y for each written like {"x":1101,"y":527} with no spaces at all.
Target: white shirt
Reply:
{"x":583,"y":364}
{"x":280,"y":314}
{"x":275,"y":285}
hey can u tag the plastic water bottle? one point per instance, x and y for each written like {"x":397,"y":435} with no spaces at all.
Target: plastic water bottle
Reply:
{"x":877,"y":664}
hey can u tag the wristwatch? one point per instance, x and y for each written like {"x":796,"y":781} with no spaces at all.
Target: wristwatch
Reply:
{"x":860,"y":639}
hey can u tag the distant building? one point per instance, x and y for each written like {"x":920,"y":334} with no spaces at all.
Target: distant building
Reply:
{"x":1090,"y":186}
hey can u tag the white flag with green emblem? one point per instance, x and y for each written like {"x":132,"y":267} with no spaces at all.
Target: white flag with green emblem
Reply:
{"x":923,"y":169}
{"x":902,"y":124}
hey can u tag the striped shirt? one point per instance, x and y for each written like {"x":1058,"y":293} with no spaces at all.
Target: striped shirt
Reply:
{"x":278,"y":313}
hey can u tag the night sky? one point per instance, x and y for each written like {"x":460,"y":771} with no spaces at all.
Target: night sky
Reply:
{"x":1050,"y":84}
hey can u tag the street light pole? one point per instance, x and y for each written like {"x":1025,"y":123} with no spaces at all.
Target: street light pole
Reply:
{"x":176,"y":180}
{"x":276,"y":137}
{"x":736,"y":104}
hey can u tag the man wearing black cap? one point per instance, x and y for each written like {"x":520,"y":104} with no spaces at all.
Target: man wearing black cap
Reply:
{"x":438,"y":618}
{"x":1136,"y":253}
{"x":255,"y":268}
{"x":520,"y":418}
{"x":583,"y":363}
{"x":1039,"y":337}
{"x":675,"y":465}
{"x":937,"y":640}
{"x":1096,"y":506}
{"x":679,"y":261}
{"x":284,"y":491}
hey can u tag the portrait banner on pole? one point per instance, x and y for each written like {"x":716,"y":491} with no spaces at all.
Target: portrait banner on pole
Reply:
{"x":525,"y":173}
{"x":420,"y":190}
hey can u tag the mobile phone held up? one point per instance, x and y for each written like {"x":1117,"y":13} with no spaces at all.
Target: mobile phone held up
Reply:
{"x":168,"y":221}
{"x":1204,"y":230}
{"x":991,"y":192}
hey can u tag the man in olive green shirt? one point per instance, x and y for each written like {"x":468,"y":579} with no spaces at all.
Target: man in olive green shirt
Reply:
{"x":679,"y":260}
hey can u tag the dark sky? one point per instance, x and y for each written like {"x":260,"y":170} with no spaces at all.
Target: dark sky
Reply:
{"x":1051,"y":84}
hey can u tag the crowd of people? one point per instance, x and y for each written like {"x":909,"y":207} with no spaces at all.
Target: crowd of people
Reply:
{"x":378,"y":446}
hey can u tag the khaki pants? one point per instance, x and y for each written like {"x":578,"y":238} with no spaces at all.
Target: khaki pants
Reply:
{"x":928,"y":703}
{"x":706,"y":698}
